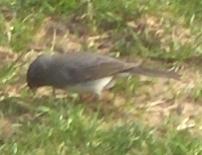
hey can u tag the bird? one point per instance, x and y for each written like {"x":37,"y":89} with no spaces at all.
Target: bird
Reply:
{"x":84,"y":71}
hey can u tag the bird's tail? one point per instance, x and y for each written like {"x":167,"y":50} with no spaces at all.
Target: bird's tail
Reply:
{"x":154,"y":72}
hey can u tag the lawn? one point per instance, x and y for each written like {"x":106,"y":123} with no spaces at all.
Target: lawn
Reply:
{"x":140,"y":115}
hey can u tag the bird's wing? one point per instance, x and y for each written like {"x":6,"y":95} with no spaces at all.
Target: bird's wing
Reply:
{"x":76,"y":68}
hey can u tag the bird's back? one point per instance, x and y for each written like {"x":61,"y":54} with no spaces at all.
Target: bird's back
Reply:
{"x":73,"y":68}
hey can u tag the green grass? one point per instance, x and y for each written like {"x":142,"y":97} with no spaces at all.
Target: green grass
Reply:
{"x":46,"y":125}
{"x":112,"y":15}
{"x":61,"y":127}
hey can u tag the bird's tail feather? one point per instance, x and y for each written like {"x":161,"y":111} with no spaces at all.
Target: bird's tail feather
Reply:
{"x":154,"y":73}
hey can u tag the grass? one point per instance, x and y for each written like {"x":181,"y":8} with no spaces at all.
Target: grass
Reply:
{"x":65,"y":128}
{"x":167,"y":31}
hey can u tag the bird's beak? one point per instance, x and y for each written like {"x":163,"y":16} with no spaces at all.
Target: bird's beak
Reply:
{"x":32,"y":89}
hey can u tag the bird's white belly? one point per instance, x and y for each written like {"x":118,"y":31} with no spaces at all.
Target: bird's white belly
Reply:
{"x":95,"y":86}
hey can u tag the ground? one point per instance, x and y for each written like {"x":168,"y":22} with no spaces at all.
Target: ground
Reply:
{"x":140,"y":115}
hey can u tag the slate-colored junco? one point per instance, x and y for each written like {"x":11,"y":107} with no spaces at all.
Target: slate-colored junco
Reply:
{"x":83,"y":72}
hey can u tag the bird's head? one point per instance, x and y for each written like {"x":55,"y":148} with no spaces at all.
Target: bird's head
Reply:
{"x":37,"y":72}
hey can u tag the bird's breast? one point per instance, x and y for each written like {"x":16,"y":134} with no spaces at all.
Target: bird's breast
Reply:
{"x":94,"y":86}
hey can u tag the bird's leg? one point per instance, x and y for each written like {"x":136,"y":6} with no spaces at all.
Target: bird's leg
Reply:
{"x":53,"y":92}
{"x":89,"y":97}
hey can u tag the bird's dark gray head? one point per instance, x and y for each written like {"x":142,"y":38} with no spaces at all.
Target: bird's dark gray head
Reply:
{"x":37,"y":72}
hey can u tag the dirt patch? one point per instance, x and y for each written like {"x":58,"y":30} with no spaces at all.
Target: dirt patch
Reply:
{"x":154,"y":102}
